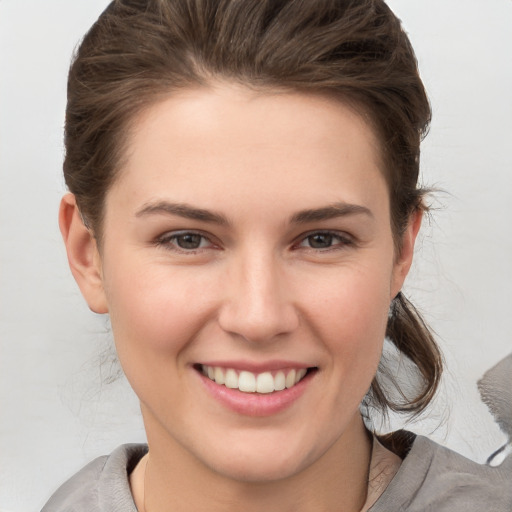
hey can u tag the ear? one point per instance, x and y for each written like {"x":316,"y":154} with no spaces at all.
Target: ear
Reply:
{"x":403,"y":260}
{"x":83,"y":256}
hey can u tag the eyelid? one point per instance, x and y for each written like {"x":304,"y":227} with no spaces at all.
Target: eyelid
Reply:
{"x":345,"y":239}
{"x":165,"y":239}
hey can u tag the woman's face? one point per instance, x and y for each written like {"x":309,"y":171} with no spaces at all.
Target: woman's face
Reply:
{"x":247,"y":242}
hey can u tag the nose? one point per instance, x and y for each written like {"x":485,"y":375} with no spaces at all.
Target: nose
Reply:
{"x":257,"y":304}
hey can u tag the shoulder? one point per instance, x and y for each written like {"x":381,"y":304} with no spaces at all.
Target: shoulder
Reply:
{"x":435,"y":478}
{"x":100,"y":486}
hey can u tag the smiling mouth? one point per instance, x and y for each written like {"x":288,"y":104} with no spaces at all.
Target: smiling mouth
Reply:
{"x":249,"y":382}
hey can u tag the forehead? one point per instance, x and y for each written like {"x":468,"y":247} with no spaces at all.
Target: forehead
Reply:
{"x":277,"y":145}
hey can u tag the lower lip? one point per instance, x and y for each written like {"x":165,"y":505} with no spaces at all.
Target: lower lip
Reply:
{"x":256,"y":404}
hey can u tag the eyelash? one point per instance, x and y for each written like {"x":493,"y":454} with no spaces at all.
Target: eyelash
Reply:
{"x":343,"y":240}
{"x":169,"y":241}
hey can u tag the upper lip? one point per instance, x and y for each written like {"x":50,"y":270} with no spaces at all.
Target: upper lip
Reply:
{"x":257,"y":367}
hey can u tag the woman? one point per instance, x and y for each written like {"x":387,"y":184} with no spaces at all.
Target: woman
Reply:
{"x":244,"y":205}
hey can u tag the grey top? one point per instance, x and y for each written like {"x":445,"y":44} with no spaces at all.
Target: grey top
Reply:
{"x":431,"y":478}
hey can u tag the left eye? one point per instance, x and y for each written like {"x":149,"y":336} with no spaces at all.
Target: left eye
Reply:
{"x":325,"y":240}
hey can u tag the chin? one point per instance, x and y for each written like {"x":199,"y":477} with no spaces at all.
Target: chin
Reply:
{"x":263,"y":460}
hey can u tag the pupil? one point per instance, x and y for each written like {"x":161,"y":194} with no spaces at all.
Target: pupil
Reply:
{"x":320,"y":241}
{"x":189,"y":241}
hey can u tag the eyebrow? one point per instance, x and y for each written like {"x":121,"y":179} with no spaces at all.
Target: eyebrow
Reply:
{"x":330,"y":212}
{"x":182,"y":210}
{"x":303,"y":217}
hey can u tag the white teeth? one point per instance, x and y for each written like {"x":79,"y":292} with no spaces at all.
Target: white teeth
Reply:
{"x":300,"y":375}
{"x":265,"y":383}
{"x":290,"y":379}
{"x":279,"y":381}
{"x":219,"y":376}
{"x":231,"y":379}
{"x":249,"y":382}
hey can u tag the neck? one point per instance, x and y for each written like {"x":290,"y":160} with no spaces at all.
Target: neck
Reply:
{"x":170,"y":477}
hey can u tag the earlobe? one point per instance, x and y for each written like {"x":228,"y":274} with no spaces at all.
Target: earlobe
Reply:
{"x":404,"y":260}
{"x":83,"y":256}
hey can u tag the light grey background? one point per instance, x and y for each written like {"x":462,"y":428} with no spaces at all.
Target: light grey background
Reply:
{"x":55,"y":412}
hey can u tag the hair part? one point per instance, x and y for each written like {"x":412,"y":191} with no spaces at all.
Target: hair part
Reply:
{"x":141,"y":51}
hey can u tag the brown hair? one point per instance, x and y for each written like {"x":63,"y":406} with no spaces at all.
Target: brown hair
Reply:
{"x":142,"y":50}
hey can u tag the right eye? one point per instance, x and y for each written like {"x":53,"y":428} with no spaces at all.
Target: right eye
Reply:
{"x":184,"y":241}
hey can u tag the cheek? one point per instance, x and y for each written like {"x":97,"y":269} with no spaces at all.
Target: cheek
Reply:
{"x":351,"y":301}
{"x":154,"y":315}
{"x":350,"y":315}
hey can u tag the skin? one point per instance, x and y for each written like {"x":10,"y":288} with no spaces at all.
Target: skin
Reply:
{"x":256,"y":290}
